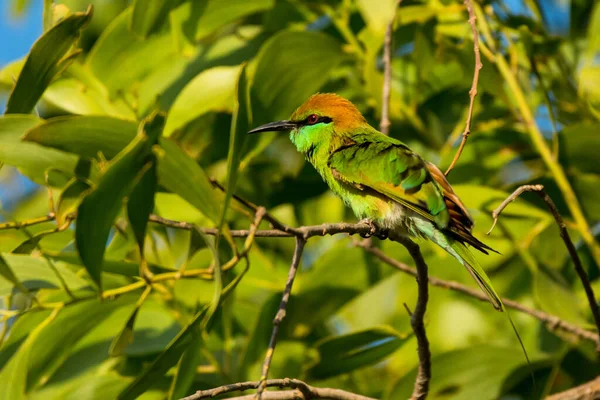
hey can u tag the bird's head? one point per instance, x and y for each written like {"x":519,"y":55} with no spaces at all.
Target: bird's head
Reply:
{"x":323,"y":117}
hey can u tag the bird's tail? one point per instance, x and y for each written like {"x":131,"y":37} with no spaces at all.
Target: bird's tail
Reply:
{"x":466,"y":258}
{"x":460,"y":251}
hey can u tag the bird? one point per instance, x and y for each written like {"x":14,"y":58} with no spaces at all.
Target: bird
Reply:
{"x":383,"y":181}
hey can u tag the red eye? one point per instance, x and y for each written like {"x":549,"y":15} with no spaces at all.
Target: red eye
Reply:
{"x":312,"y":119}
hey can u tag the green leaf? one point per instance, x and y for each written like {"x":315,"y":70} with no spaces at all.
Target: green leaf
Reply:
{"x":72,"y":96}
{"x":180,"y":174}
{"x":87,"y":136}
{"x":72,"y":324}
{"x":13,"y":378}
{"x":175,"y":349}
{"x":240,"y":123}
{"x":478,"y":372}
{"x":30,"y":244}
{"x":589,"y":83}
{"x":35,"y":273}
{"x":70,"y":198}
{"x":211,"y":90}
{"x":199,"y":19}
{"x":120,"y":267}
{"x":377,"y":18}
{"x":7,"y":273}
{"x":118,"y":45}
{"x":147,"y":16}
{"x":31,"y":159}
{"x":186,"y":369}
{"x":99,"y":209}
{"x":164,"y":361}
{"x":556,"y":298}
{"x":48,"y":58}
{"x":84,"y":135}
{"x":141,"y":203}
{"x":125,"y":336}
{"x":280,"y":86}
{"x":9,"y":75}
{"x":342,"y":354}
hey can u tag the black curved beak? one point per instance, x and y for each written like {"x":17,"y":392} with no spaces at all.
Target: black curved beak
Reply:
{"x":278,"y":126}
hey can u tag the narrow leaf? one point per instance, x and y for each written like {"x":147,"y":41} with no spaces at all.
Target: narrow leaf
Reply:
{"x":99,"y":209}
{"x":13,"y":378}
{"x":179,"y":173}
{"x":84,"y":135}
{"x":125,"y":336}
{"x":240,"y":123}
{"x":30,"y":244}
{"x":186,"y":368}
{"x":70,"y":198}
{"x":48,"y":58}
{"x":346,"y":353}
{"x":147,"y":16}
{"x":10,"y":276}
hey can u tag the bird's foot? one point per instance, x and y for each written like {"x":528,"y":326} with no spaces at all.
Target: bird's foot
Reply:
{"x":374,"y":230}
{"x":379,"y":233}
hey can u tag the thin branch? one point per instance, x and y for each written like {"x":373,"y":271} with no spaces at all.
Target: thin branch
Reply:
{"x":421,"y":388}
{"x":473,"y":91}
{"x":309,"y":392}
{"x":564,"y":234}
{"x":552,"y":321}
{"x":22,"y":224}
{"x":304,"y":232}
{"x":300,"y":242}
{"x":384,"y":125}
{"x":587,"y":391}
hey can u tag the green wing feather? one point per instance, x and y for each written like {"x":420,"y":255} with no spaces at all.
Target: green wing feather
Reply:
{"x":388,"y":167}
{"x":392,"y":169}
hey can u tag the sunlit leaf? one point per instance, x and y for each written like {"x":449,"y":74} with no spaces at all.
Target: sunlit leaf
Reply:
{"x":84,"y":135}
{"x":70,"y":198}
{"x":30,"y":158}
{"x":48,"y":58}
{"x":210,"y":15}
{"x":211,"y":90}
{"x":148,"y":15}
{"x":7,"y":273}
{"x":118,"y":45}
{"x":13,"y":378}
{"x":35,"y":273}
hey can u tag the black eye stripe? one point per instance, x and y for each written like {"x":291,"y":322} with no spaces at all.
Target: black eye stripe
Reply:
{"x":321,"y":119}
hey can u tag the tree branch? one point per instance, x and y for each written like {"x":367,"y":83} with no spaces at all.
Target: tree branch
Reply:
{"x":308,"y":392}
{"x":564,"y":234}
{"x":384,"y":125}
{"x":300,"y":242}
{"x":552,"y":321}
{"x":473,"y":91}
{"x":587,"y":391}
{"x":421,"y":388}
{"x":306,"y":232}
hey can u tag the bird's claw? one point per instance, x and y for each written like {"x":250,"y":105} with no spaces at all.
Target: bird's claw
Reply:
{"x":374,"y":231}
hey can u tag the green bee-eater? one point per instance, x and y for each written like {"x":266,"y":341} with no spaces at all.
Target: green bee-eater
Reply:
{"x":382,"y":180}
